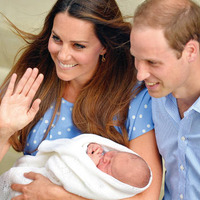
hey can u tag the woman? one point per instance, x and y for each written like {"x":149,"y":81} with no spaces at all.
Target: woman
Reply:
{"x":83,"y":54}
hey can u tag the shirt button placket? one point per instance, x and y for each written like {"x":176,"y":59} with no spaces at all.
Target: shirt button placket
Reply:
{"x":182,"y":150}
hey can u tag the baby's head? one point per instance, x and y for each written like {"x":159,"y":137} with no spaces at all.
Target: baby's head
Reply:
{"x":126,"y":167}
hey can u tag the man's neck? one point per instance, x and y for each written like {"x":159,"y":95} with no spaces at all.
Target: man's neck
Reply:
{"x":182,"y":107}
{"x":185,"y":104}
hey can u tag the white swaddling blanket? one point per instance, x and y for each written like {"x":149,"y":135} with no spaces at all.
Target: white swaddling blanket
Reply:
{"x":66,"y":163}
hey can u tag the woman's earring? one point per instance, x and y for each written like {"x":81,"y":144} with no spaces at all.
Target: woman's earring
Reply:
{"x":103,"y":59}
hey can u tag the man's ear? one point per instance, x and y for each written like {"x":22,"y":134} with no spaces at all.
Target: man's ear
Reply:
{"x":191,"y":50}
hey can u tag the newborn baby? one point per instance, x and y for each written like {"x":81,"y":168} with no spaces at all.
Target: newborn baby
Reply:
{"x":126,"y":167}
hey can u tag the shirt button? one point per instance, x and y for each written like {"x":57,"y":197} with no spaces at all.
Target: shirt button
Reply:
{"x":181,"y":167}
{"x":181,"y":196}
{"x":183,"y":138}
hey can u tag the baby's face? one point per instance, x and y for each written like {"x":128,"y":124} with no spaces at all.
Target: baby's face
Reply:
{"x":117,"y":164}
{"x":107,"y":161}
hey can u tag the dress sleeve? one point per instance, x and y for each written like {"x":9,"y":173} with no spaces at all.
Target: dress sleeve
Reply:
{"x":139,"y":120}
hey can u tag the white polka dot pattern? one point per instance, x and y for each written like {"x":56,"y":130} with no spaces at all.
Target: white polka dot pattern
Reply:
{"x":139,"y":121}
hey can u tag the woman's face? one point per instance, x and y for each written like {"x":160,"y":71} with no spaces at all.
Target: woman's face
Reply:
{"x":74,"y":48}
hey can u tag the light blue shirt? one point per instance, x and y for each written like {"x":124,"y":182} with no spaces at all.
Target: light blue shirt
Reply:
{"x":179,"y":144}
{"x":139,"y":121}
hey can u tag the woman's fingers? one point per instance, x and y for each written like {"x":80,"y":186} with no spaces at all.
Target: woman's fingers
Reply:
{"x":34,"y":108}
{"x":11,"y":85}
{"x":17,"y":107}
{"x":29,"y":83}
{"x":31,"y":90}
{"x":23,"y":81}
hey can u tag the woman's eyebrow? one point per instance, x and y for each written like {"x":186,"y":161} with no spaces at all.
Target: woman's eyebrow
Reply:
{"x":74,"y":41}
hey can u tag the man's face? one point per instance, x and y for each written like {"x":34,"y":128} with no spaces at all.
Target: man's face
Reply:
{"x":157,"y":64}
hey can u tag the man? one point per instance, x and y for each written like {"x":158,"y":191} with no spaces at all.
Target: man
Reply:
{"x":165,"y":41}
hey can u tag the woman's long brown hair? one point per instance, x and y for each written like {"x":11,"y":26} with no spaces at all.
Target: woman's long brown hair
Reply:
{"x":103,"y":102}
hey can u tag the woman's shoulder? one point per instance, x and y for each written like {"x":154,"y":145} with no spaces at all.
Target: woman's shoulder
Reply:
{"x":139,"y":120}
{"x":142,"y":97}
{"x":141,"y":103}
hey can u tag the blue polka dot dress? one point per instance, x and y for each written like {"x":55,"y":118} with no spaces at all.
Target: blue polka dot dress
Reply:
{"x":139,"y":121}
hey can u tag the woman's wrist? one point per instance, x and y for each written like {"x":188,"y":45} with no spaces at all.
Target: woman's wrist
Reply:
{"x":5,"y":134}
{"x":59,"y":193}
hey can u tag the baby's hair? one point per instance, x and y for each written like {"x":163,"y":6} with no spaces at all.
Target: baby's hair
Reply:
{"x":135,"y":172}
{"x":144,"y":174}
